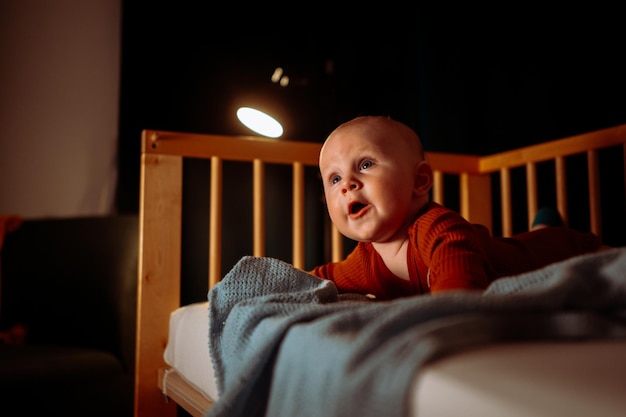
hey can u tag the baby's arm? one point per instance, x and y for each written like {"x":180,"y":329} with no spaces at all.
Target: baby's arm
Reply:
{"x":454,"y":251}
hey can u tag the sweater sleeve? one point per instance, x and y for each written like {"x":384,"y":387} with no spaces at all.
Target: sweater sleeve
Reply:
{"x":454,"y":251}
{"x":364,"y":272}
{"x":350,"y":274}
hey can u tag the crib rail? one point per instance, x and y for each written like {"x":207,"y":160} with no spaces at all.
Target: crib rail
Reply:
{"x":558,"y":150}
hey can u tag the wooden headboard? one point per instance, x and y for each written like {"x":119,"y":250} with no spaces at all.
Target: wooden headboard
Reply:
{"x":161,"y":213}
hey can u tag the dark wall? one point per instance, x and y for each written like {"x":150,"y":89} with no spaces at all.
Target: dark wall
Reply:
{"x":506,"y":76}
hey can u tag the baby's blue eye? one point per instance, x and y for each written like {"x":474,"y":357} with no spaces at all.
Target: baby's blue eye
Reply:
{"x":335,"y":179}
{"x":366,"y":164}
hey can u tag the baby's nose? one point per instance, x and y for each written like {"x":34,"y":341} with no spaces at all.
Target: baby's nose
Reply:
{"x":351,"y":185}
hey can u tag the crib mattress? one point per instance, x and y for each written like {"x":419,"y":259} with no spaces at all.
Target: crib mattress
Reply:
{"x":538,"y":378}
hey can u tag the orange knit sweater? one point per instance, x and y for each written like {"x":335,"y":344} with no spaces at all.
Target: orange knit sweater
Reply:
{"x":446,"y":252}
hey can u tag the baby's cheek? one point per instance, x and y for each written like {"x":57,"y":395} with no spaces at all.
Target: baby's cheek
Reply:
{"x":337,"y":213}
{"x":332,"y":208}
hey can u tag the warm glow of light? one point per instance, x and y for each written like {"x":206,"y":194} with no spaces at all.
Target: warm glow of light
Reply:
{"x":259,"y":122}
{"x":278,"y":73}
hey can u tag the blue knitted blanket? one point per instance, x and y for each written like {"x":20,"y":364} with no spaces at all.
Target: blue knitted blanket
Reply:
{"x":285,"y":343}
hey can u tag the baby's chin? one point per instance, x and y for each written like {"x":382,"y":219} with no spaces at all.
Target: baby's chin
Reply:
{"x":361,"y":230}
{"x":359,"y":237}
{"x":350,"y":234}
{"x":377,"y":235}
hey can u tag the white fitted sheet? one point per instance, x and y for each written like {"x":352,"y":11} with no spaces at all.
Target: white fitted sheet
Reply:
{"x":541,"y":379}
{"x":187,"y":350}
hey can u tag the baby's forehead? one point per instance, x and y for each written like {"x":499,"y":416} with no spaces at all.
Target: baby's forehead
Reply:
{"x":374,"y":134}
{"x":342,"y":149}
{"x":371,"y":136}
{"x":353,"y":141}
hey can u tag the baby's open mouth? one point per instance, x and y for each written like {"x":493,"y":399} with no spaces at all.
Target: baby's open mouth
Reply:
{"x":356,"y":207}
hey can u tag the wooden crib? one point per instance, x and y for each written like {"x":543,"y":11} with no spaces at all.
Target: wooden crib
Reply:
{"x":483,"y":187}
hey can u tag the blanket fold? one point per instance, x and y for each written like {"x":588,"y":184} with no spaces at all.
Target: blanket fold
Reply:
{"x":285,"y":343}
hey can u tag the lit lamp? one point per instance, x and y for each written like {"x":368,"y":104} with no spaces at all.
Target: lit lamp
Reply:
{"x":259,"y":122}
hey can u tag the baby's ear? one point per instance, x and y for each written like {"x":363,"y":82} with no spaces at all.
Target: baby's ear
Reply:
{"x":423,"y":178}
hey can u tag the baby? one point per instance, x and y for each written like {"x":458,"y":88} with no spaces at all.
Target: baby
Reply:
{"x":377,"y":183}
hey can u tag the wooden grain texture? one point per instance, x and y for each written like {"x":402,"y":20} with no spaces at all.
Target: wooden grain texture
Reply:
{"x":158,"y":292}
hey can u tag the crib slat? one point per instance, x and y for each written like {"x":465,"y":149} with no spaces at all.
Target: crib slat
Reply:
{"x":336,"y":244}
{"x":505,"y":188}
{"x":298,"y":215}
{"x":561,"y":187}
{"x":438,"y":191}
{"x":475,"y":190}
{"x":594,"y":192}
{"x":531,"y":191}
{"x":464,"y":194}
{"x":258,"y":208}
{"x":215,"y":222}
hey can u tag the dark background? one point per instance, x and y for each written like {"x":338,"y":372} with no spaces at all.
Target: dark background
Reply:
{"x":468,"y":78}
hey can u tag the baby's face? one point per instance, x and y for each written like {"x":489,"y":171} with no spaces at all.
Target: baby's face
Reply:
{"x":369,"y":179}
